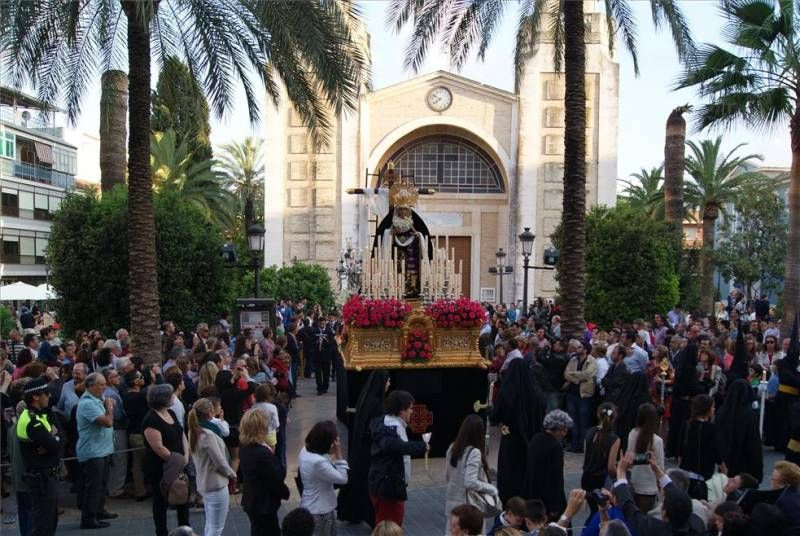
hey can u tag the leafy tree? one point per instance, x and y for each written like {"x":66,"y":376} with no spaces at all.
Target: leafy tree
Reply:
{"x":88,"y":256}
{"x":753,"y":244}
{"x":469,"y":25}
{"x":646,"y":192}
{"x":179,"y":105}
{"x":294,"y":282}
{"x":309,"y":45}
{"x":716,"y":181}
{"x":6,"y":322}
{"x":243,"y":166}
{"x":197,"y":182}
{"x":631,"y":263}
{"x":755,"y":79}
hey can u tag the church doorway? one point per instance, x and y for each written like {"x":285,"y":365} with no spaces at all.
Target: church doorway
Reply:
{"x":461,"y":247}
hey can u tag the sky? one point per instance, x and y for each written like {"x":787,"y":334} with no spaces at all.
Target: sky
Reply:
{"x":645,"y":101}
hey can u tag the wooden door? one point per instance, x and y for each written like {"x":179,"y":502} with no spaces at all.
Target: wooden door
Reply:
{"x":462,"y":248}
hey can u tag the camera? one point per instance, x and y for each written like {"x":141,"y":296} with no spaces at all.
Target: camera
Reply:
{"x":641,"y":459}
{"x":599,"y":497}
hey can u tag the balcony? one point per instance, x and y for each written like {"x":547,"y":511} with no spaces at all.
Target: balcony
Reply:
{"x":32,"y":121}
{"x":37,"y":174}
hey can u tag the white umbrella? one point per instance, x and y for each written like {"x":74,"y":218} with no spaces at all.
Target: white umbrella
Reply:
{"x":46,"y":291}
{"x":19,"y":291}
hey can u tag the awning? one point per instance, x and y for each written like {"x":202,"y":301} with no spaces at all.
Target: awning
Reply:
{"x":44,"y":153}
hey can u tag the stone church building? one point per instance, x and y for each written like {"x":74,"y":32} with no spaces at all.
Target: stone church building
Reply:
{"x":495,"y":159}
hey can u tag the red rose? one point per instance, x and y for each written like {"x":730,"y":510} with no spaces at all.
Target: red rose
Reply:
{"x":404,"y":355}
{"x":417,"y":344}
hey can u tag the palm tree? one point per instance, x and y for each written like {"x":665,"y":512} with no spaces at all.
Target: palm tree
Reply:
{"x":674,"y":164}
{"x":243,"y":167}
{"x":308,"y":45}
{"x":716,"y":181}
{"x":755,"y":79}
{"x":198,"y":183}
{"x":647,"y":191}
{"x":462,"y":26}
{"x":113,"y":117}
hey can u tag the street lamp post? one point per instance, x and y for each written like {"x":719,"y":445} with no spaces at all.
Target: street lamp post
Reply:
{"x":255,"y":241}
{"x":526,"y":238}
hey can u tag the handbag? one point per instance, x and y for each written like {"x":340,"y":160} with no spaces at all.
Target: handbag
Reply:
{"x":177,"y":493}
{"x":488,"y":503}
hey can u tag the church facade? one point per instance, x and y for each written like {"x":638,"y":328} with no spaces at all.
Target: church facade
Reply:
{"x":495,"y":159}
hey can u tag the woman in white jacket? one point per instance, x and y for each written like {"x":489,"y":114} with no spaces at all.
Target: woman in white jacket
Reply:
{"x":213,"y":466}
{"x":467,"y":468}
{"x":321,"y":466}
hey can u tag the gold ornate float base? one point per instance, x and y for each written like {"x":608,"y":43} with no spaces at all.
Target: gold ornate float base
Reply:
{"x":374,"y":348}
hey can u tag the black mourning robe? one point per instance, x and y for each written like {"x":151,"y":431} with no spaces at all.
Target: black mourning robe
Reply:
{"x":686,"y":386}
{"x":354,"y":504}
{"x":634,"y":393}
{"x":739,"y":441}
{"x":544,"y":474}
{"x":520,"y":406}
{"x":789,"y":378}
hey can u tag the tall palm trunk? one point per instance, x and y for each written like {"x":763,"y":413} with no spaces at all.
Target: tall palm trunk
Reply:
{"x":791,"y":280}
{"x":142,"y":266}
{"x":674,"y":162}
{"x":710,"y":215}
{"x":113,"y":112}
{"x":572,"y":278}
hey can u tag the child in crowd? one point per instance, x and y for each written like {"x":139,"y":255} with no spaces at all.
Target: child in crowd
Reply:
{"x":280,"y":368}
{"x":535,"y":516}
{"x":219,"y":416}
{"x":513,"y":515}
{"x":264,"y":398}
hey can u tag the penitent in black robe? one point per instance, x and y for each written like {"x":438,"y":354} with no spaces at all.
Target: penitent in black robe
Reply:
{"x":686,"y":387}
{"x":354,"y":504}
{"x":737,"y":431}
{"x":544,"y":474}
{"x":520,"y":407}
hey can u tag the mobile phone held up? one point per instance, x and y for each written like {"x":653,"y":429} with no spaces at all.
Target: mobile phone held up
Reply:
{"x":641,"y":459}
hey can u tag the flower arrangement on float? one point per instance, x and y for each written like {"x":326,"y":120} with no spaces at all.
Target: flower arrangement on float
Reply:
{"x":459,"y":313}
{"x":418,"y":347}
{"x":364,"y":312}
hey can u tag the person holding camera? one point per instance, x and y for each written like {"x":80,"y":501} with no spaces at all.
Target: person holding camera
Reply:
{"x":676,"y":507}
{"x":607,"y":510}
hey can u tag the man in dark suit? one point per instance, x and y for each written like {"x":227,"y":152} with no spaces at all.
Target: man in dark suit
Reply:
{"x":676,"y":508}
{"x":323,"y":348}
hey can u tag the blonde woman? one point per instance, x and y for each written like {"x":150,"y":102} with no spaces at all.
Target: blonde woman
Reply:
{"x":208,"y":374}
{"x":262,"y":484}
{"x":387,"y":528}
{"x":214,"y":472}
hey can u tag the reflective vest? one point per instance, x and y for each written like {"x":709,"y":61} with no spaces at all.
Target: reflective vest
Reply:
{"x":25,"y":419}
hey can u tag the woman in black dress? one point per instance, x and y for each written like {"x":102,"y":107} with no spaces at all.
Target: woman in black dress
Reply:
{"x":601,"y":448}
{"x":544,"y":467}
{"x":234,"y":388}
{"x":737,"y":432}
{"x":164,"y":439}
{"x":354,"y":504}
{"x":519,"y":411}
{"x":263,"y":487}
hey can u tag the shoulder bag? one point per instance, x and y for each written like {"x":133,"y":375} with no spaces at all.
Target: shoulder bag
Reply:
{"x":488,"y":503}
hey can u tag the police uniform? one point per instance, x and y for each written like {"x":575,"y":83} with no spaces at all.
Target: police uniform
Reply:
{"x":40,"y":444}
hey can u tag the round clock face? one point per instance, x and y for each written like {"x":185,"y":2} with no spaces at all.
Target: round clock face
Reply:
{"x":440,"y":99}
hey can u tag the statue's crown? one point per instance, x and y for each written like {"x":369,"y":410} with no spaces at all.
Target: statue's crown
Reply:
{"x":402,"y":192}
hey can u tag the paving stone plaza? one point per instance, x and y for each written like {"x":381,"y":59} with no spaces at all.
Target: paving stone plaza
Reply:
{"x":424,"y":510}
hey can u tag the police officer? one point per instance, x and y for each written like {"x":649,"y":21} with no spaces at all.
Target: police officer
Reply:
{"x":41,"y":448}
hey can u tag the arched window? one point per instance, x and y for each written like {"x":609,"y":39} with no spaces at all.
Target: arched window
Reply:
{"x":448,"y":164}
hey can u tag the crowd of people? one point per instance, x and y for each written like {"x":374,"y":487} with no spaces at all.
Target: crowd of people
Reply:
{"x":209,"y":422}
